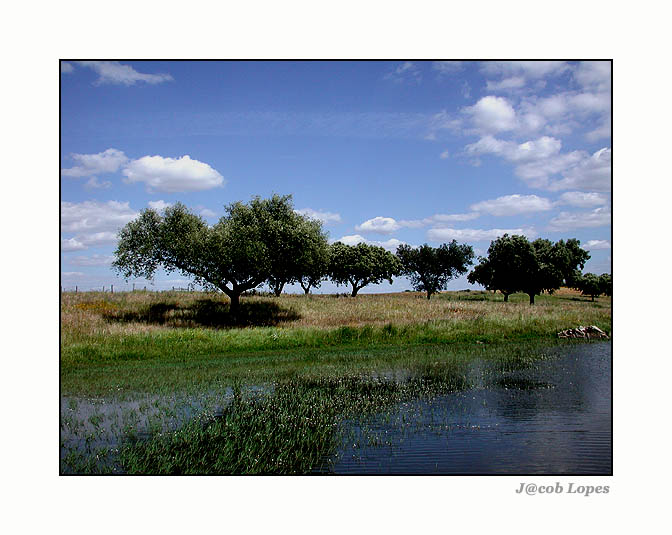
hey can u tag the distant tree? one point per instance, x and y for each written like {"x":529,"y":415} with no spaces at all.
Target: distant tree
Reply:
{"x":516,"y":265}
{"x":430,"y":269}
{"x":606,"y":284}
{"x":360,"y":265}
{"x":589,"y":284}
{"x":241,"y":251}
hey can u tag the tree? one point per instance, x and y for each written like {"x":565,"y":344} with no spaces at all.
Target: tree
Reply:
{"x":606,"y":284}
{"x":303,"y":248}
{"x":514,"y":265}
{"x":590,"y":285}
{"x":361,"y":264}
{"x":238,"y":253}
{"x":430,"y":269}
{"x":314,"y":262}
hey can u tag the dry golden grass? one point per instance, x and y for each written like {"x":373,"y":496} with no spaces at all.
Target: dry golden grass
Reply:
{"x":89,"y":313}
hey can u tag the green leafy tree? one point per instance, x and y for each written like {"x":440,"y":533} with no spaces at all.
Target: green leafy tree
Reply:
{"x":590,"y":285}
{"x":314,"y":261}
{"x":514,"y":264}
{"x":303,"y":249}
{"x":430,"y":269}
{"x":606,"y":284}
{"x":361,"y":264}
{"x":238,"y":253}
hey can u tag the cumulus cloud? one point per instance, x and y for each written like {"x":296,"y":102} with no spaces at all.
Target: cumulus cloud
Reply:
{"x":325,"y":217}
{"x":406,"y":72}
{"x":492,"y":114}
{"x":583,"y":200}
{"x":172,"y":175}
{"x":379,"y":225}
{"x":71,"y":244}
{"x":599,"y":217}
{"x":515,"y":82}
{"x":354,"y":239}
{"x":592,"y":173}
{"x":66,"y":67}
{"x":159,"y":205}
{"x":113,"y":72}
{"x":513,"y":205}
{"x":538,"y":149}
{"x":71,"y":274}
{"x":594,"y":75}
{"x":526,"y":69}
{"x":109,"y":161}
{"x":592,"y":245}
{"x":474,"y":235}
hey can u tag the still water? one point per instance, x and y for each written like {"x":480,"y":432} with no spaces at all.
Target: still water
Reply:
{"x":551,"y":418}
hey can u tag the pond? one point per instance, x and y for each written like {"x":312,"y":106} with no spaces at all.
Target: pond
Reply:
{"x":550,"y":418}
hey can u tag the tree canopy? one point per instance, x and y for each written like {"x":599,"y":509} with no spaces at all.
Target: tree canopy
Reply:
{"x":515,"y":264}
{"x":361,"y":264}
{"x":594,"y":285}
{"x":430,"y":269}
{"x":252,"y":243}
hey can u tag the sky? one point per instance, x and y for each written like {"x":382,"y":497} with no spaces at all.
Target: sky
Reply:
{"x":383,"y":152}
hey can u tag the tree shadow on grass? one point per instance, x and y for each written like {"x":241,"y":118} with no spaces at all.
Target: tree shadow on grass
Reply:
{"x":207,"y":313}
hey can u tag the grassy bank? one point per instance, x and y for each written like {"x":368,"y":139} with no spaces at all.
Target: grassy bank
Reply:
{"x":143,"y":340}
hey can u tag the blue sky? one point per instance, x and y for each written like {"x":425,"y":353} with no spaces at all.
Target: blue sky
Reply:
{"x":386,"y":152}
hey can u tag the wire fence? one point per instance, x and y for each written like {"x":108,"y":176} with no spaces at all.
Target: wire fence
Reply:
{"x":118,"y":288}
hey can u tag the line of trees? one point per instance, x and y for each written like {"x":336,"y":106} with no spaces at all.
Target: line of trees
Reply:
{"x":266,"y":241}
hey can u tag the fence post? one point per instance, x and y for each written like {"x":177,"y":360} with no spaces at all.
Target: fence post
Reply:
{"x":75,"y":289}
{"x":133,"y":286}
{"x":103,"y":289}
{"x":112,"y":288}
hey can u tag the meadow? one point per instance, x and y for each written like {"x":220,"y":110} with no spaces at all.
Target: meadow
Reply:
{"x":262,"y":392}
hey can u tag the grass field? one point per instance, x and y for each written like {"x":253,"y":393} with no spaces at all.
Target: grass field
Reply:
{"x":319,"y":356}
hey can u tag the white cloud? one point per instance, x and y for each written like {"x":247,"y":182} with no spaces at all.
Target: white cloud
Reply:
{"x":206,"y":212}
{"x":526,"y":69}
{"x":599,"y":217}
{"x":592,"y":173}
{"x":325,"y":217}
{"x":379,"y":225}
{"x":583,"y":200}
{"x":92,"y":216}
{"x":66,"y":67}
{"x":594,"y":74}
{"x":109,"y":161}
{"x":172,"y":174}
{"x":444,"y":155}
{"x":93,"y":260}
{"x":406,"y":72}
{"x":354,"y":239}
{"x":438,"y":220}
{"x":95,"y":223}
{"x":513,"y":205}
{"x":596,"y":244}
{"x":159,"y":205}
{"x":471,"y":235}
{"x":113,"y":72}
{"x":541,"y":148}
{"x":71,"y":245}
{"x":94,"y":183}
{"x":492,"y":114}
{"x":515,"y":82}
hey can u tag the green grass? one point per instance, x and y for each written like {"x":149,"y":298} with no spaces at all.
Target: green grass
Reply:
{"x":319,"y":359}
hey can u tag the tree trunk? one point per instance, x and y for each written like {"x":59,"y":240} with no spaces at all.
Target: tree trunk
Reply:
{"x":354,"y":290}
{"x":592,"y":298}
{"x":531,"y":298}
{"x":506,"y":298}
{"x":307,"y":290}
{"x":277,"y":288}
{"x":235,"y":303}
{"x":428,"y":296}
